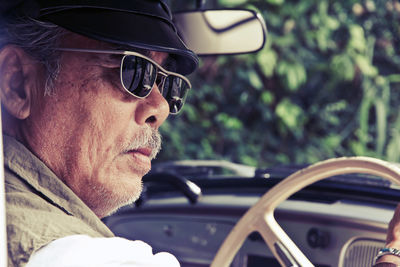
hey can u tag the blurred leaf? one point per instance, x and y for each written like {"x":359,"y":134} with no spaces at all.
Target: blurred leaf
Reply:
{"x":229,"y":122}
{"x":332,"y":23}
{"x":365,"y":66}
{"x":289,"y":113}
{"x":275,"y":2}
{"x":207,"y":147}
{"x":332,"y":141}
{"x":294,"y":75}
{"x":190,"y":112}
{"x":231,"y":3}
{"x":357,"y":39}
{"x":381,"y":125}
{"x":208,"y":107}
{"x":357,"y":148}
{"x":282,"y":158}
{"x":283,"y":41}
{"x":267,"y":60}
{"x":267,"y":97}
{"x":255,"y":81}
{"x":343,"y":67}
{"x":395,"y":78}
{"x":245,"y":159}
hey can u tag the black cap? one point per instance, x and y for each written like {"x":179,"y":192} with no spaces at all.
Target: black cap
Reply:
{"x":145,"y":24}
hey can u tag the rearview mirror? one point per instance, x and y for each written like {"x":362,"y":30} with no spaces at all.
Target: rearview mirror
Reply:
{"x":216,"y":32}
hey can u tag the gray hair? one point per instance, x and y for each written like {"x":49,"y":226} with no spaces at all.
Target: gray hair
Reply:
{"x":39,"y":39}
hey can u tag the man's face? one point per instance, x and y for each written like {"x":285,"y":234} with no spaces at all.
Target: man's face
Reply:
{"x":97,"y":138}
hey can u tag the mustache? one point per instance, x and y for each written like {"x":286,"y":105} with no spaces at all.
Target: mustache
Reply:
{"x":146,"y":137}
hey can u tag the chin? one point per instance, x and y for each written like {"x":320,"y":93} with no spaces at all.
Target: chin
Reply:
{"x":105,"y":199}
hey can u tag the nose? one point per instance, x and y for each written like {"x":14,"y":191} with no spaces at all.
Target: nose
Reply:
{"x":152,"y":110}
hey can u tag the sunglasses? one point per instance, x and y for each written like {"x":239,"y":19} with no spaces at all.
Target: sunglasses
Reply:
{"x":139,"y":74}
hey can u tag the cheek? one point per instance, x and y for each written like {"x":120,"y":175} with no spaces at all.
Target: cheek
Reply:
{"x":106,"y":125}
{"x":109,"y":131}
{"x":107,"y":121}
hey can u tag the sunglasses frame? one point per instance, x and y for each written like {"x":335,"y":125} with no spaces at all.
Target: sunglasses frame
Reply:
{"x":160,"y":70}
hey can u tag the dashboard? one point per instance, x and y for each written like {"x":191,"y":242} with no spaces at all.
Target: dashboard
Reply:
{"x":344,"y":233}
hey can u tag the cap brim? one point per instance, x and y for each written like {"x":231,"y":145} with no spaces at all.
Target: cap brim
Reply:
{"x":127,"y":29}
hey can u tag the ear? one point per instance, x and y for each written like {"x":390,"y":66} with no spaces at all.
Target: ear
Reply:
{"x":17,"y":72}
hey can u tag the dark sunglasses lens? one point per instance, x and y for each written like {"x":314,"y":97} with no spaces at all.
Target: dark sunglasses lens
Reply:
{"x":175,"y":90}
{"x":138,"y":75}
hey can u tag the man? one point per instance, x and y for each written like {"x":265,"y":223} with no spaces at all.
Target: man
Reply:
{"x":84,"y":89}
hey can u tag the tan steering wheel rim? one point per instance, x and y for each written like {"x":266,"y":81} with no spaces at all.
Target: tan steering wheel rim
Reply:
{"x":260,"y":217}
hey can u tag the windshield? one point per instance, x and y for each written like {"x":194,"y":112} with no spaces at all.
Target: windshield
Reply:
{"x":325,"y":85}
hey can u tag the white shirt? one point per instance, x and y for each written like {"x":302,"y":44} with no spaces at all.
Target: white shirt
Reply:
{"x":85,"y":251}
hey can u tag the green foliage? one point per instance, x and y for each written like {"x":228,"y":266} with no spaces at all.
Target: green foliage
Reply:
{"x":327,"y":84}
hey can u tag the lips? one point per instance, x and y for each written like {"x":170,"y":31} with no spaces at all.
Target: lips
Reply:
{"x":140,"y":159}
{"x":144,"y":151}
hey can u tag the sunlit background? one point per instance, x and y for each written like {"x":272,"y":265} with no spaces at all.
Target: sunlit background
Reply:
{"x":326,"y":84}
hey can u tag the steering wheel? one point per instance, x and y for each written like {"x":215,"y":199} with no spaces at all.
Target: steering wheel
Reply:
{"x":260,"y":217}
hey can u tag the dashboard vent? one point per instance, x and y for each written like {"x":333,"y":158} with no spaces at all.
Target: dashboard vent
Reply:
{"x":361,"y":252}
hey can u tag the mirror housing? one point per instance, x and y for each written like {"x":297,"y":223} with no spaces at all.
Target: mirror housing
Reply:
{"x":222,"y":31}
